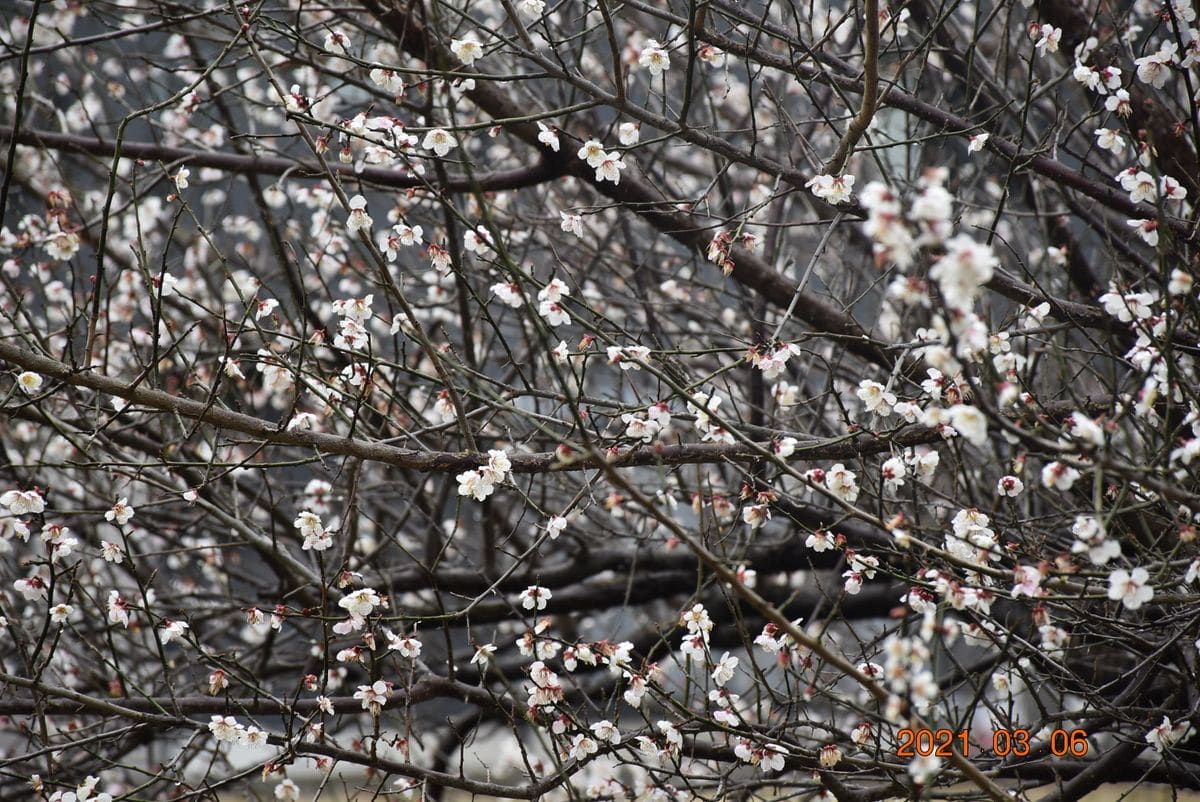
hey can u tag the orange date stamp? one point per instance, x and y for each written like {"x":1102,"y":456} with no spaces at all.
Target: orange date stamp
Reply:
{"x":1018,"y":743}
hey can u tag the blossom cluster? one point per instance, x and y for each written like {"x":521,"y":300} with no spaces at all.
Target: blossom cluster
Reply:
{"x":481,"y":482}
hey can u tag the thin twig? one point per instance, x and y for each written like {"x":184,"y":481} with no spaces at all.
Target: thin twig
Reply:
{"x":870,"y":96}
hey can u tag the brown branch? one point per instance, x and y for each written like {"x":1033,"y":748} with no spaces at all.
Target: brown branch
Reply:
{"x":534,"y":790}
{"x":859,"y":444}
{"x":82,"y":703}
{"x":1097,"y":772}
{"x":1119,"y":769}
{"x":749,"y":270}
{"x":870,"y":100}
{"x":1148,"y":112}
{"x":775,"y":615}
{"x":539,"y":172}
{"x":425,"y":461}
{"x":948,"y":122}
{"x":69,"y":703}
{"x":110,"y":36}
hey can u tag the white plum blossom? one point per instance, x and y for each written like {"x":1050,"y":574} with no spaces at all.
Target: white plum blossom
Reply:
{"x":62,"y":245}
{"x":1101,"y":81}
{"x":654,"y":58}
{"x":1027,"y":580}
{"x":712,"y":56}
{"x":571,"y":223}
{"x":1126,"y":307}
{"x":23,"y":502}
{"x":924,"y":768}
{"x":316,"y":537}
{"x":120,"y":513}
{"x":374,"y":697}
{"x":970,"y":422}
{"x":842,"y":483}
{"x":725,"y":669}
{"x":1092,"y":539}
{"x":508,"y":293}
{"x":31,"y":588}
{"x":604,"y":730}
{"x":172,"y":631}
{"x":556,"y":526}
{"x":876,"y":399}
{"x":118,"y":609}
{"x":829,"y":756}
{"x":498,"y":466}
{"x":29,"y":382}
{"x":639,"y":427}
{"x":834,"y":189}
{"x":972,"y":539}
{"x":483,"y":654}
{"x":1131,"y":588}
{"x":407,"y":645}
{"x":535,"y":598}
{"x":786,"y":447}
{"x":471,"y":483}
{"x":609,"y":168}
{"x":481,"y":482}
{"x":466,"y":50}
{"x":337,"y":42}
{"x":963,"y":270}
{"x":768,"y":757}
{"x":553,"y":313}
{"x":1146,"y":229}
{"x":264,"y":308}
{"x":582,"y":746}
{"x":629,"y":357}
{"x":388,"y":80}
{"x":226,"y":728}
{"x":408,"y":235}
{"x":440,"y":141}
{"x":555,"y":290}
{"x":592,"y":151}
{"x":773,"y":362}
{"x":1059,"y":475}
{"x":477,"y":240}
{"x":893,"y":472}
{"x":1167,"y":734}
{"x":697,"y":620}
{"x":924,"y":463}
{"x":1181,"y":283}
{"x":1084,"y":430}
{"x":636,"y":691}
{"x":864,"y":564}
{"x":1010,"y":486}
{"x":1154,"y":69}
{"x":549,"y":303}
{"x":820,"y":540}
{"x":1171,"y":189}
{"x":548,"y":137}
{"x":361,"y":603}
{"x":1110,"y":140}
{"x":1048,"y":38}
{"x":1141,"y":187}
{"x":359,"y":220}
{"x":755,"y":515}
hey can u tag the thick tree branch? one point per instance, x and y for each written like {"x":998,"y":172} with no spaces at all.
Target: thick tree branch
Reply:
{"x":542,"y":170}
